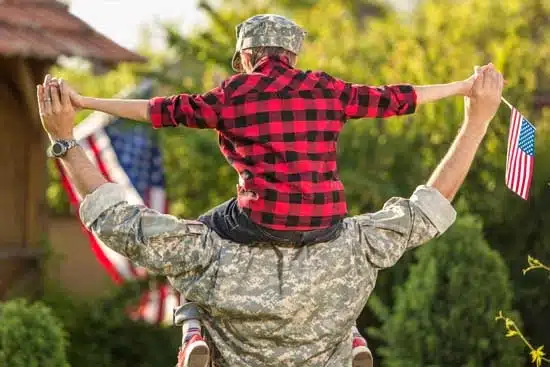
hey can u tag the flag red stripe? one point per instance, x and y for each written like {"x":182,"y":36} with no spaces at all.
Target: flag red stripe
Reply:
{"x":147,"y":197}
{"x":101,"y":165}
{"x":143,"y":304}
{"x":521,"y":172}
{"x":513,"y":151}
{"x":531,"y":172}
{"x":510,"y":140}
{"x":515,"y":169}
{"x":527,"y":171}
{"x":103,"y":260}
{"x":520,"y":169}
{"x":163,"y":291}
{"x":96,"y":154}
{"x":514,"y":132}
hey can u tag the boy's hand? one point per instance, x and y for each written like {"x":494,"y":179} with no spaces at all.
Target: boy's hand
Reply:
{"x":468,"y":84}
{"x":76,"y":99}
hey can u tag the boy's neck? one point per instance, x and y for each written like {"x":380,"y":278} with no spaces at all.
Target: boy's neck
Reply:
{"x":269,"y":60}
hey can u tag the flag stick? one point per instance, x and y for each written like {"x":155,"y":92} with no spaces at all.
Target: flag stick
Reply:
{"x":507,"y":103}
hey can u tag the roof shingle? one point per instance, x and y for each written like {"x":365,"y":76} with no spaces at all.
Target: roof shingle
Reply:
{"x":45,"y":29}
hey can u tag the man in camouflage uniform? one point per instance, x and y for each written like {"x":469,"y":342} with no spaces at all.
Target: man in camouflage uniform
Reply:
{"x":272,"y":305}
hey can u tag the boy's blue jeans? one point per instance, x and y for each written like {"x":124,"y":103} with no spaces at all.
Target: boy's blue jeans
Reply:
{"x":231,"y":223}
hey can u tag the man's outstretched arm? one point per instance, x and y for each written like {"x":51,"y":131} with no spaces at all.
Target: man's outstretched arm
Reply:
{"x":480,"y":109}
{"x":407,"y":223}
{"x":161,"y":243}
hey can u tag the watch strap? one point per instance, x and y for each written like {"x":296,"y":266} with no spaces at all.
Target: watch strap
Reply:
{"x":67,"y":144}
{"x":70,"y":143}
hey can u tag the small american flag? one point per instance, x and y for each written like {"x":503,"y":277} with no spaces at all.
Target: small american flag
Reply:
{"x":520,"y":159}
{"x":128,"y":154}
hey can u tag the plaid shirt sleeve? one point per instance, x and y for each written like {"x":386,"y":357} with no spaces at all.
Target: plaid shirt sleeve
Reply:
{"x":360,"y":101}
{"x":200,"y":111}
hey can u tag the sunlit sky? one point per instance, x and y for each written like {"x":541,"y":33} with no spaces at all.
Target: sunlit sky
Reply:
{"x":121,"y":20}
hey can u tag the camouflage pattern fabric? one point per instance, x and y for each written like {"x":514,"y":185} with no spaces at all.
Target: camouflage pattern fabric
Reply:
{"x":267,"y":30}
{"x":268,"y":305}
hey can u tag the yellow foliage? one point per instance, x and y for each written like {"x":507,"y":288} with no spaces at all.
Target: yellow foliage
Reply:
{"x":512,"y":330}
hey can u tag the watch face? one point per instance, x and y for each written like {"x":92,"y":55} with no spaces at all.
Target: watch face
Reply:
{"x":57,"y":148}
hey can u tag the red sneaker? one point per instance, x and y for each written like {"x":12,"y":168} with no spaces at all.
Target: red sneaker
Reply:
{"x":362,"y":357}
{"x":194,"y":353}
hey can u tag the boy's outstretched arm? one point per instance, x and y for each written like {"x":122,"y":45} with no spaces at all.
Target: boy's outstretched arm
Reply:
{"x":365,"y":101}
{"x":435,"y":92}
{"x":131,"y":109}
{"x":191,"y":110}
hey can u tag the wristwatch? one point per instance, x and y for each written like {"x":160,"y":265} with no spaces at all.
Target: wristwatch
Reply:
{"x":60,"y":147}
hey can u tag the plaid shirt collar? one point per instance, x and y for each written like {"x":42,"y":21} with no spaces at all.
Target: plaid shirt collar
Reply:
{"x":267,"y":63}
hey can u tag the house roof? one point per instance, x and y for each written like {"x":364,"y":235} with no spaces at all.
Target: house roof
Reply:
{"x":45,"y":29}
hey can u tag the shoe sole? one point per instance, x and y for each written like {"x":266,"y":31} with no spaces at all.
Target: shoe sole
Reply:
{"x":362,"y":358}
{"x":199,"y":356}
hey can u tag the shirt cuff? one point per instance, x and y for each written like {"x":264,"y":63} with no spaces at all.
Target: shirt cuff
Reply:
{"x":100,"y":200}
{"x":414,"y":100}
{"x":155,"y":111}
{"x":409,"y":98}
{"x":435,"y":206}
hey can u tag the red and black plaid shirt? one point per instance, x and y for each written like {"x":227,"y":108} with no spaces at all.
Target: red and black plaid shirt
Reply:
{"x":278,"y":127}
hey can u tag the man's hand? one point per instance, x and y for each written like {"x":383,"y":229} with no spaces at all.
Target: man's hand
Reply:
{"x":468,"y":84}
{"x":76,"y":99}
{"x":56,"y":110}
{"x":480,"y":108}
{"x":131,"y":109}
{"x":485,"y":97}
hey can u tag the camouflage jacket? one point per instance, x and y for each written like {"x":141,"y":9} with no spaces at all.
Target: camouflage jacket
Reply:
{"x":268,"y":305}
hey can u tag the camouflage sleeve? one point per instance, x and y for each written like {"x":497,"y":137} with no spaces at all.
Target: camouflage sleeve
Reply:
{"x":403,"y":224}
{"x":161,"y":243}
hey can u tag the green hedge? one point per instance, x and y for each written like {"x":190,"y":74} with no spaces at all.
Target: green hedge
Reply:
{"x":101,"y":333}
{"x":31,"y":336}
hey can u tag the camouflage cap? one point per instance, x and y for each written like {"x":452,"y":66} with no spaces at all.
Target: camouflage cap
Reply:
{"x":265,"y":30}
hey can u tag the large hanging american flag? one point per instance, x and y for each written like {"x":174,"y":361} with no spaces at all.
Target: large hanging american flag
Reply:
{"x":127,"y":153}
{"x":520,"y":159}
